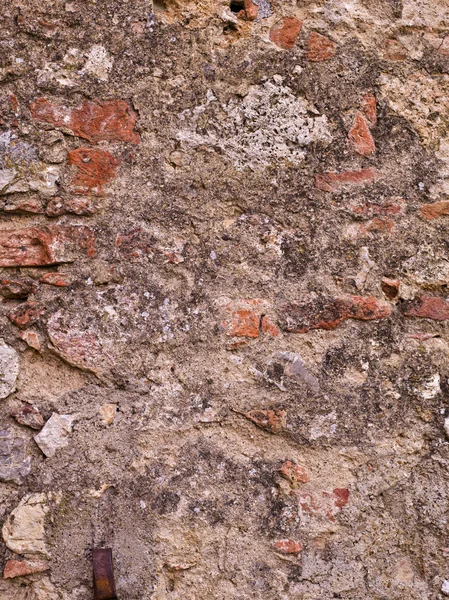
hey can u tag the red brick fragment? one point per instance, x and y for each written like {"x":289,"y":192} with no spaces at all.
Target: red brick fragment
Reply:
{"x":96,"y":168}
{"x":244,"y":323}
{"x":294,"y":473}
{"x":110,"y":121}
{"x":42,"y":110}
{"x":251,"y":10}
{"x":96,"y":121}
{"x":247,"y":319}
{"x":56,"y":279}
{"x":44,"y":246}
{"x":319,"y":47}
{"x":26,"y":247}
{"x":31,"y":338}
{"x":288,"y":546}
{"x":285,"y":32}
{"x":341,"y":497}
{"x":333,"y":182}
{"x":19,"y":568}
{"x":273,"y":421}
{"x":360,"y":137}
{"x":390,"y":287}
{"x":328,"y":313}
{"x":394,"y":51}
{"x":370,"y":108}
{"x":427,"y":307}
{"x":26,"y":314}
{"x":269,"y":327}
{"x":172,"y":256}
{"x":435,"y":210}
{"x":82,"y":207}
{"x":21,"y":287}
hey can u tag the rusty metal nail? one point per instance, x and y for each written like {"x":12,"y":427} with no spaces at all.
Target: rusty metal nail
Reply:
{"x":104,"y":584}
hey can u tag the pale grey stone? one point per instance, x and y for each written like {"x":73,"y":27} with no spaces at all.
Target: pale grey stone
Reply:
{"x":14,"y":463}
{"x":9,"y":369}
{"x":54,"y":434}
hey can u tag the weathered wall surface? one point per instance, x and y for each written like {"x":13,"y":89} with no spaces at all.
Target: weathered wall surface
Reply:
{"x":224,"y":316}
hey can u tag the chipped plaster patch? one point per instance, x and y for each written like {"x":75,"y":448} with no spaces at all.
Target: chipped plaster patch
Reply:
{"x":99,"y":63}
{"x":269,"y":125}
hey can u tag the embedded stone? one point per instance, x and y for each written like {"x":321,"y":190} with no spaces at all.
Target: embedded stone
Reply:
{"x":108,"y":412}
{"x":29,"y":416}
{"x":24,"y":529}
{"x":20,"y":287}
{"x":55,"y":434}
{"x":31,"y":339}
{"x":14,"y":462}
{"x":9,"y":369}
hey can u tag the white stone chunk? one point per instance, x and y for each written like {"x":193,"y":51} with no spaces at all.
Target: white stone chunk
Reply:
{"x":54,"y":435}
{"x":9,"y":369}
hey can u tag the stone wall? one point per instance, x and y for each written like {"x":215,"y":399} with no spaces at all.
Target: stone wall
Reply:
{"x":224,"y":308}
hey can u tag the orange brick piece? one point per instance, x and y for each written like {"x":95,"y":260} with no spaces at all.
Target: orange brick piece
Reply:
{"x":251,"y":10}
{"x":360,"y":137}
{"x":435,"y":210}
{"x":319,"y":47}
{"x":285,"y":32}
{"x":93,"y":120}
{"x":44,"y":246}
{"x":95,"y":168}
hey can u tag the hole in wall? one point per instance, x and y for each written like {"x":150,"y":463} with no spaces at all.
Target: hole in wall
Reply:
{"x":236,"y":6}
{"x":159,"y":6}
